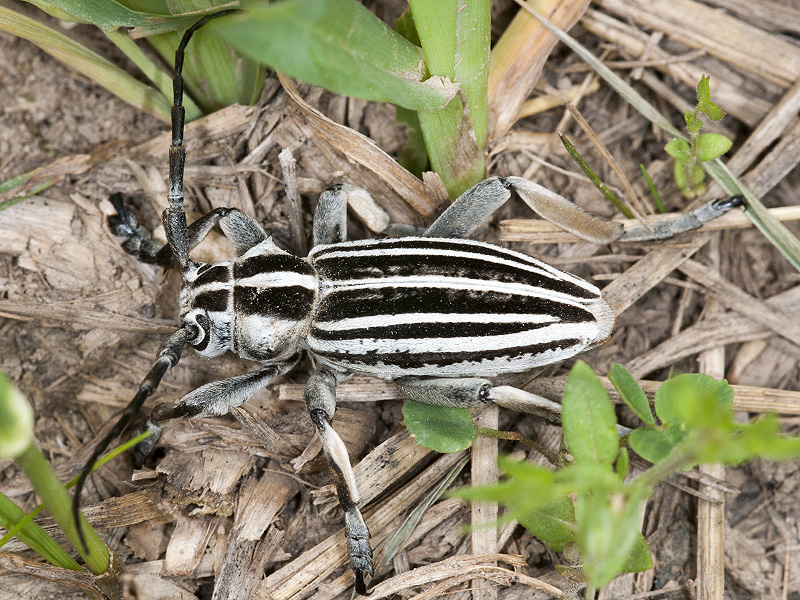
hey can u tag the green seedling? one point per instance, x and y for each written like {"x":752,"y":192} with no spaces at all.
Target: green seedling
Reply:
{"x":701,"y":147}
{"x":590,"y":503}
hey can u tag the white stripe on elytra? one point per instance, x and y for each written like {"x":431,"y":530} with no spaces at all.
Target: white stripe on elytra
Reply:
{"x":586,"y":332}
{"x":413,"y":318}
{"x":278,"y":279}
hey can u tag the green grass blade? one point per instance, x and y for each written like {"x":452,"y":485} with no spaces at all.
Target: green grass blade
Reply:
{"x":59,"y":504}
{"x":33,"y":536}
{"x":87,"y":62}
{"x":338,"y":45}
{"x":162,"y":80}
{"x":773,"y":230}
{"x":435,"y":21}
{"x":473,"y":39}
{"x":109,"y":15}
{"x":456,"y":46}
{"x":651,"y":187}
{"x":594,"y":177}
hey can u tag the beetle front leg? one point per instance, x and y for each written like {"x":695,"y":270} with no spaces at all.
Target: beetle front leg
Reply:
{"x":320,"y":396}
{"x":242,"y":231}
{"x":469,"y":392}
{"x":212,"y":399}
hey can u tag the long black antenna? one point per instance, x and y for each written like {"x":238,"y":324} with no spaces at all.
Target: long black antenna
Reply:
{"x":174,"y":220}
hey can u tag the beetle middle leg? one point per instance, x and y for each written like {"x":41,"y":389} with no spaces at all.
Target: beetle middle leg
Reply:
{"x":320,"y":397}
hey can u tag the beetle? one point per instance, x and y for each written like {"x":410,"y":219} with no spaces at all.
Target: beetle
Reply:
{"x":438,"y":314}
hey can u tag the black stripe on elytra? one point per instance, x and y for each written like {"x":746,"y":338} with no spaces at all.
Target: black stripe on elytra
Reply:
{"x":449,"y":245}
{"x":289,"y":302}
{"x":371,"y":302}
{"x":213,"y":301}
{"x":473,"y":267}
{"x":439,"y":329}
{"x":408,"y":360}
{"x":273,"y":263}
{"x":213,"y":274}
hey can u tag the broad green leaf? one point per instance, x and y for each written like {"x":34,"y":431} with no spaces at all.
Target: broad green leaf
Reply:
{"x":679,"y":172}
{"x":695,"y":400}
{"x":640,"y":558}
{"x":588,"y":477}
{"x":631,"y":393}
{"x":712,"y":145}
{"x":693,"y":123}
{"x":678,"y":149}
{"x":711,"y":110}
{"x":110,"y":15}
{"x":654,"y":445}
{"x":526,"y":487}
{"x":590,"y":425}
{"x":439,"y":428}
{"x":16,"y":420}
{"x":761,"y":439}
{"x":338,"y":45}
{"x":608,"y":528}
{"x":703,"y":90}
{"x":553,"y":523}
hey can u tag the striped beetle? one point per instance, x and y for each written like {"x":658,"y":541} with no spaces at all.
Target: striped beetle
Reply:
{"x":439,"y":315}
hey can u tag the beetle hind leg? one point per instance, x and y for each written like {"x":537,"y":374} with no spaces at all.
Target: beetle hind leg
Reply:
{"x":469,"y":392}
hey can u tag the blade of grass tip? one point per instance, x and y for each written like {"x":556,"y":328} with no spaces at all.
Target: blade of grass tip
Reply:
{"x":33,"y":536}
{"x":777,"y":233}
{"x":83,"y":60}
{"x":26,"y":519}
{"x":58,"y":503}
{"x":160,"y":79}
{"x":396,"y":540}
{"x":37,"y":189}
{"x":653,"y":191}
{"x":609,"y":195}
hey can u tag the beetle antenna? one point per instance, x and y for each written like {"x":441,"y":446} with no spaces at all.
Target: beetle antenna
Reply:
{"x":174,"y":220}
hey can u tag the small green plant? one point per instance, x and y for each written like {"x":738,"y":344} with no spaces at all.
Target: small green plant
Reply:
{"x":587,"y":507}
{"x":17,"y":442}
{"x":701,"y":147}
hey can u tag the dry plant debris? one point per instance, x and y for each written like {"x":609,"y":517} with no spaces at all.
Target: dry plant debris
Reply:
{"x":242,"y":503}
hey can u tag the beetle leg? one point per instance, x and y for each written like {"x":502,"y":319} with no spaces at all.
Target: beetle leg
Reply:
{"x":320,"y":396}
{"x":242,"y":231}
{"x":469,"y":392}
{"x":330,"y":218}
{"x":213,"y":399}
{"x":475,"y":206}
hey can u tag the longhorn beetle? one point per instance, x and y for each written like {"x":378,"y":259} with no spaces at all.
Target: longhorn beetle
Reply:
{"x":437,"y":314}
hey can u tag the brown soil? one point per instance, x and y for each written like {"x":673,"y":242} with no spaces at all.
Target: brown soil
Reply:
{"x":229,"y":499}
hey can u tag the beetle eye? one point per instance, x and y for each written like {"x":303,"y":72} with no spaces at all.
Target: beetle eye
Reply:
{"x":203,"y":330}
